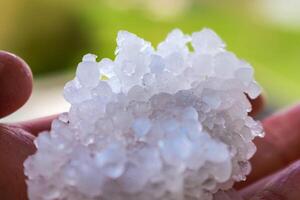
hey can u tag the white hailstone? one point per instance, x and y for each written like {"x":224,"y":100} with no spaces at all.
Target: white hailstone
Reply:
{"x":151,"y":124}
{"x":157,"y":64}
{"x":190,"y":113}
{"x":148,"y":79}
{"x":225,"y":64}
{"x":175,"y":63}
{"x":88,"y":72}
{"x":207,"y":41}
{"x":204,"y":65}
{"x":175,"y":42}
{"x":253,"y":90}
{"x":112,"y":161}
{"x":106,"y":68}
{"x":244,"y":74}
{"x":141,"y":126}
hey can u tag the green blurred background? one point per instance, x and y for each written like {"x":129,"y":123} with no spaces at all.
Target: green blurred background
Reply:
{"x":52,"y":35}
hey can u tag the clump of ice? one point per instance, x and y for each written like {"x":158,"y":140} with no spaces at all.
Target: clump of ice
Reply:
{"x":166,"y":123}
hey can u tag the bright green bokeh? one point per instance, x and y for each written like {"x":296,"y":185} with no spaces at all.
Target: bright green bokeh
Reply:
{"x":57,"y":41}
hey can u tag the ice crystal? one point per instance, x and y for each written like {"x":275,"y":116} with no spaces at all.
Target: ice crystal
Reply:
{"x":164,"y":124}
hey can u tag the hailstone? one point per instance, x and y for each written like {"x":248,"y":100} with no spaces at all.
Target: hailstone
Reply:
{"x":169,"y":123}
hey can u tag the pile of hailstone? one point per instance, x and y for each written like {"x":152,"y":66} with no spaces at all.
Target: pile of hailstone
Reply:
{"x":154,"y":124}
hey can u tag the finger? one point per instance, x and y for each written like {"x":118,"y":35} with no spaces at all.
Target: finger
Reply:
{"x":15,"y":83}
{"x":230,"y":194}
{"x":279,"y":147}
{"x":37,"y":125}
{"x":257,"y":105}
{"x":15,"y":146}
{"x":284,"y":185}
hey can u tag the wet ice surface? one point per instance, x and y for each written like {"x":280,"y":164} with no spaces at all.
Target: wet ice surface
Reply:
{"x":153,"y":124}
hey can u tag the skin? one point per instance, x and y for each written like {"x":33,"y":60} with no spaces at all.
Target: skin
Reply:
{"x":276,"y":168}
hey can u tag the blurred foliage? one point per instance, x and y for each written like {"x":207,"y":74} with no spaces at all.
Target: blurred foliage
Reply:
{"x":49,"y":35}
{"x":53,"y":35}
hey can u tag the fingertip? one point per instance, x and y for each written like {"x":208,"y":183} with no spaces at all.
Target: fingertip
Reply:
{"x":36,"y":126}
{"x":284,"y":184}
{"x":283,"y":130}
{"x":279,"y":147}
{"x":15,"y":83}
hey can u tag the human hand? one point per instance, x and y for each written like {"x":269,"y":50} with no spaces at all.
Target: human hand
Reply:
{"x":276,"y":165}
{"x":16,"y":140}
{"x":276,"y":151}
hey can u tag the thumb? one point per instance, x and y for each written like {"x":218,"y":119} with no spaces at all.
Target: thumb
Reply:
{"x":15,"y":83}
{"x":15,"y":146}
{"x":283,"y":185}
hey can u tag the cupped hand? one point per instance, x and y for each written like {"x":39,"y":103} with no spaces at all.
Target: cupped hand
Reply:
{"x":275,"y":174}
